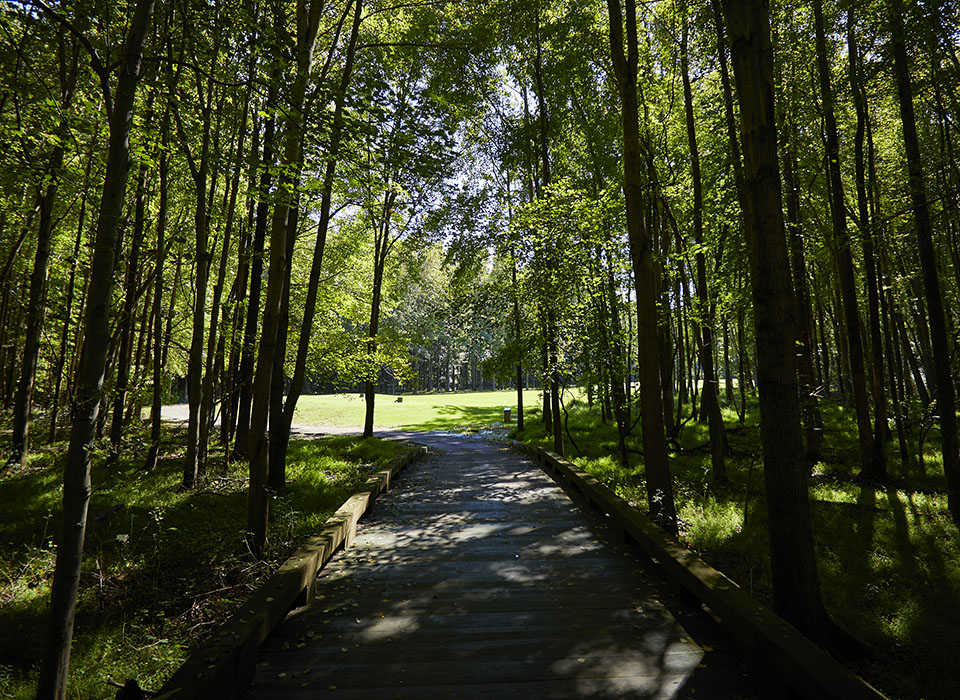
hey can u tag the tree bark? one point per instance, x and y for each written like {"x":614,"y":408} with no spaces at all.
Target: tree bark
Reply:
{"x":156,"y":403}
{"x":847,"y":277}
{"x":796,"y":585}
{"x":659,"y":482}
{"x":36,"y":305}
{"x":868,"y":233}
{"x":946,"y":403}
{"x":308,"y":17}
{"x":247,"y":355}
{"x":52,"y":682}
{"x":313,"y":287}
{"x":709,"y":401}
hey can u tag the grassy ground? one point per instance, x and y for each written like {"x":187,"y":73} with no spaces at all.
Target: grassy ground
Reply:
{"x":889,"y":556}
{"x":162,"y":567}
{"x":440,"y":411}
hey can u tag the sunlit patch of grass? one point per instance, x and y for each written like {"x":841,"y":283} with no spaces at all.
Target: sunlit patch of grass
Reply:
{"x":162,"y":567}
{"x":459,"y":410}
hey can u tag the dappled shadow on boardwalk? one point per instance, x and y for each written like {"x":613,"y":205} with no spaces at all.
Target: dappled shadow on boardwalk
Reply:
{"x":476,"y":577}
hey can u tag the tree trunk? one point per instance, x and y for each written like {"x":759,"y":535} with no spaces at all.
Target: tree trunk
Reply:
{"x":946,"y":404}
{"x":52,"y":682}
{"x":36,"y":306}
{"x":157,"y":394}
{"x":313,"y":287}
{"x":709,"y":402}
{"x":847,"y":277}
{"x":869,"y":257}
{"x":796,"y":586}
{"x":126,"y":321}
{"x":812,"y":418}
{"x":207,"y":391}
{"x":247,"y":357}
{"x":258,"y":510}
{"x":659,"y":482}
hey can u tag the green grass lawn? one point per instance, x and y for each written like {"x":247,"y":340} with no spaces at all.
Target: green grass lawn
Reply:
{"x":162,"y":567}
{"x":462,"y":410}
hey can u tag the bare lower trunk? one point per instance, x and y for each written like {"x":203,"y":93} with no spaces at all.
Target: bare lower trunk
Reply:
{"x":796,"y":586}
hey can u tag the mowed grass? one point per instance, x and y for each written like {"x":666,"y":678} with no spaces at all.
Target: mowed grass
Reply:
{"x":460,"y":410}
{"x":888,"y":555}
{"x":162,"y":567}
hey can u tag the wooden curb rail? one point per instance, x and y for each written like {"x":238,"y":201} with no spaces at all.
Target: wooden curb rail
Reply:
{"x":769,"y":641}
{"x":226,"y":664}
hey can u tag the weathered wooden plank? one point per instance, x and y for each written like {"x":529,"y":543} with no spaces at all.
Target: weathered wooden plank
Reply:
{"x":479,"y":575}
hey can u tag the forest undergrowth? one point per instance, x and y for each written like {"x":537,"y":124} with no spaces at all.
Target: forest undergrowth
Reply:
{"x":162,"y":566}
{"x":888,"y":553}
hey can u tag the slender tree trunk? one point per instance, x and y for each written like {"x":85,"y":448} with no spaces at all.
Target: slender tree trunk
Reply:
{"x":659,"y":482}
{"x":214,"y":333}
{"x":313,"y":287}
{"x":52,"y":682}
{"x":157,"y":394}
{"x":379,"y":263}
{"x":847,"y":277}
{"x":308,"y":17}
{"x":71,"y":294}
{"x":710,"y":403}
{"x":946,"y":403}
{"x":200,"y":170}
{"x":127,"y":320}
{"x":796,"y":586}
{"x":868,"y":234}
{"x":518,"y":336}
{"x":812,"y":418}
{"x":247,"y":358}
{"x":36,"y":306}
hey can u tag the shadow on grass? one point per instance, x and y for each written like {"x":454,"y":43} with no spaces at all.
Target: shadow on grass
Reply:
{"x":889,"y":556}
{"x":161,"y":567}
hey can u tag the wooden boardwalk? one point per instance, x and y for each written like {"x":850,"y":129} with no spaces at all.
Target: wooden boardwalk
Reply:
{"x":477,"y":577}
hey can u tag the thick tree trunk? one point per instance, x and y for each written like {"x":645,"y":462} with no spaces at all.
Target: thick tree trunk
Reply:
{"x":796,"y":586}
{"x":52,"y":682}
{"x":946,"y":403}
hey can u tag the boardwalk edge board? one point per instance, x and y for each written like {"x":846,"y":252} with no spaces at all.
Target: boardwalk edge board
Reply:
{"x":225,"y":665}
{"x":769,"y":641}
